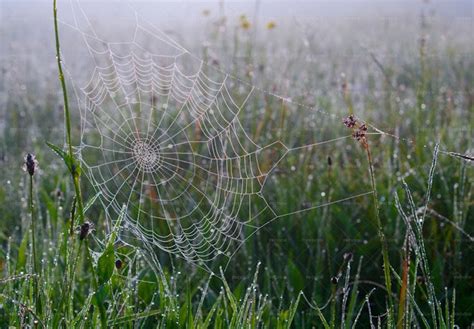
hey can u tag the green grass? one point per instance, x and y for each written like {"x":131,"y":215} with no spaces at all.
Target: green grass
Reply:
{"x":401,"y":257}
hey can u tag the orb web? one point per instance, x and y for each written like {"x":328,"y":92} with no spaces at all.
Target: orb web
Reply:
{"x":173,"y":141}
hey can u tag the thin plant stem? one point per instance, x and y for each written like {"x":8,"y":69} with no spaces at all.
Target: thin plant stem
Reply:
{"x":333,"y":306}
{"x":73,"y":169}
{"x":32,"y":225}
{"x":33,"y":244}
{"x":383,"y":241}
{"x":67,"y":120}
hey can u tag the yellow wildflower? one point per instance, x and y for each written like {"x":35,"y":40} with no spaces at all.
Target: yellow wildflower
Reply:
{"x":271,"y":25}
{"x":244,"y":22}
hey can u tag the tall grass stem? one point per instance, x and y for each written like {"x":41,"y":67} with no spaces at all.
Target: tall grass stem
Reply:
{"x":33,"y":244}
{"x":383,"y":241}
{"x":73,"y":169}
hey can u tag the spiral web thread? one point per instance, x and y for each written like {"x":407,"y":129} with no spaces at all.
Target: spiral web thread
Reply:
{"x":172,"y":148}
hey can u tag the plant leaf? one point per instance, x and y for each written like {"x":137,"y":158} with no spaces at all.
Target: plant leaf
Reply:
{"x":70,"y":162}
{"x":21,"y":263}
{"x":91,"y":201}
{"x":105,"y":264}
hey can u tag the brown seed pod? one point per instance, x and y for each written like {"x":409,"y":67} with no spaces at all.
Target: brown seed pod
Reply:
{"x":118,"y":264}
{"x":85,"y":229}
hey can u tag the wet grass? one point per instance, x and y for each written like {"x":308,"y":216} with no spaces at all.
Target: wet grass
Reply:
{"x":401,"y":257}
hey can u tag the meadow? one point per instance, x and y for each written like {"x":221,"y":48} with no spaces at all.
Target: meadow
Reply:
{"x":360,"y":126}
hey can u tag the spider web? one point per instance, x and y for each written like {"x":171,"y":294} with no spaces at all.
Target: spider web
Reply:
{"x":174,"y":142}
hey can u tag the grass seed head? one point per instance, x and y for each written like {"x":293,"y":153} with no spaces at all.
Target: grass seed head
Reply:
{"x":350,"y":121}
{"x":329,"y":161}
{"x":31,"y":164}
{"x":85,"y":229}
{"x":360,"y":133}
{"x":359,"y":129}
